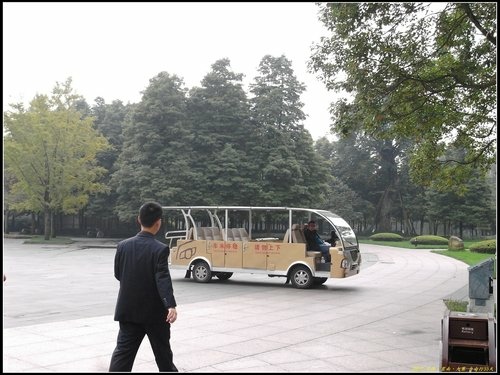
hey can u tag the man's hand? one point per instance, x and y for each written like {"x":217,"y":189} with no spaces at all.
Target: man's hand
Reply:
{"x":171,"y":315}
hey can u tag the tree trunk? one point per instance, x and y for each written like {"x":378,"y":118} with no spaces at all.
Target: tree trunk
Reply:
{"x":6,"y":222}
{"x":46,"y":214}
{"x":33,"y":223}
{"x":406,"y":226}
{"x":383,"y":216}
{"x":413,"y":231}
{"x":389,"y":170}
{"x":52,"y":229}
{"x":13,"y":220}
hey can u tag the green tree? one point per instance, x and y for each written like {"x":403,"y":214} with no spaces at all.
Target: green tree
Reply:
{"x":469,"y":208}
{"x":478,"y":212}
{"x":413,"y":196}
{"x":222,"y":136}
{"x":351,"y":188}
{"x":51,"y":150}
{"x":416,"y":71}
{"x":109,"y":120}
{"x":291,"y":172}
{"x":276,"y":102}
{"x":230,"y":181}
{"x":154,"y":162}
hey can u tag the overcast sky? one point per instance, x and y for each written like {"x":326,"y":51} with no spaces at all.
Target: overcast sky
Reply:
{"x":112,"y":50}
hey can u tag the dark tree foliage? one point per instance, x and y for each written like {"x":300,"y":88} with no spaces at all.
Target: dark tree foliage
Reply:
{"x":222,"y":139}
{"x":154,"y":163}
{"x":419,"y":71}
{"x":109,"y":119}
{"x":291,"y":173}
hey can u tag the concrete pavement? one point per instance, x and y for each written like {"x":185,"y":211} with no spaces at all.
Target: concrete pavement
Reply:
{"x":59,"y":300}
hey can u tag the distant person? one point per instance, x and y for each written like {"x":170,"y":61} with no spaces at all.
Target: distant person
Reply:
{"x":146,"y":303}
{"x":315,"y":242}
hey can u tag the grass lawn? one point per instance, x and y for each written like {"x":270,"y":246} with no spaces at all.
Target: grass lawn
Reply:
{"x":40,"y":240}
{"x":464,"y":255}
{"x":407,"y":245}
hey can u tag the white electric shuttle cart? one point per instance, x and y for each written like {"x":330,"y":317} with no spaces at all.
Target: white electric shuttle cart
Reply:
{"x":218,"y":241}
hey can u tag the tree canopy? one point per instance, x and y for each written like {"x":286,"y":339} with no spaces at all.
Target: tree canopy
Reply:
{"x":152,"y":164}
{"x":419,"y":71}
{"x":50,"y":150}
{"x":213,"y":144}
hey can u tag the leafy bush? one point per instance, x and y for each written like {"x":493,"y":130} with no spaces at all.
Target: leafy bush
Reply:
{"x":454,"y":305}
{"x":429,"y":240}
{"x":485,"y":247}
{"x":386,"y":237}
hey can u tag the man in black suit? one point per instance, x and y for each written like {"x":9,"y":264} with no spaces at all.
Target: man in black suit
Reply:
{"x":146,"y":303}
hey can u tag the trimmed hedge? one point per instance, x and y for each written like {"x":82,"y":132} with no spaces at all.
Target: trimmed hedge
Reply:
{"x":429,"y":240}
{"x":386,"y":237}
{"x":485,"y":247}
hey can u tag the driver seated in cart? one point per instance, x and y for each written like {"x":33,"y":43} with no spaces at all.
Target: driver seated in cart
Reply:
{"x":315,"y":242}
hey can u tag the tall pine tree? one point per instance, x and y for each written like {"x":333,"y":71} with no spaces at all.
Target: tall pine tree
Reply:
{"x":154,"y":162}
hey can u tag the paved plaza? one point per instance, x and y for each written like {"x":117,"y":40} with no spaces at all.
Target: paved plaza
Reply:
{"x":58,"y":305}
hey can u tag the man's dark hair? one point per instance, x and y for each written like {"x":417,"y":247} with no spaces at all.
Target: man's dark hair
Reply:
{"x":149,"y":213}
